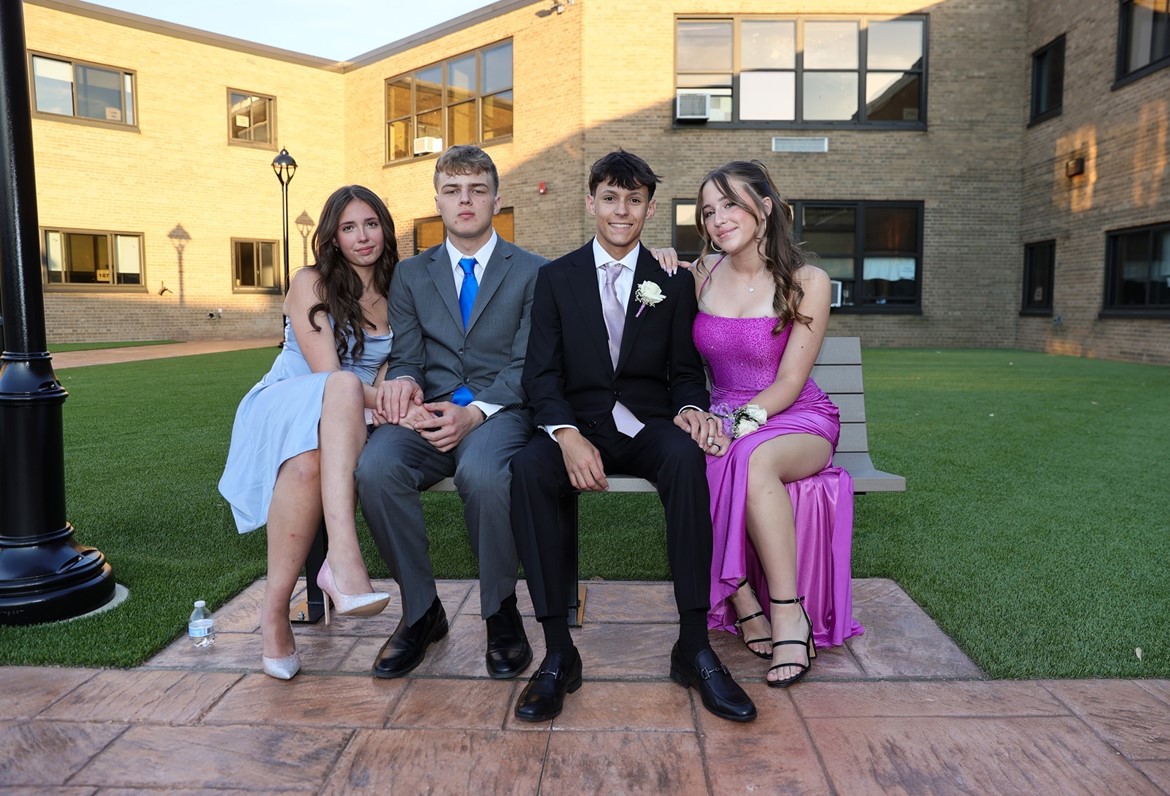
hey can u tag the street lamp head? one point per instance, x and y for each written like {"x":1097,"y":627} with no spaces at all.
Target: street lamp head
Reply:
{"x":284,"y":166}
{"x":179,"y":237}
{"x":304,"y":223}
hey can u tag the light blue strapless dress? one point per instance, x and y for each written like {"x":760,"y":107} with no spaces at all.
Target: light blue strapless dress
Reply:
{"x":278,"y":420}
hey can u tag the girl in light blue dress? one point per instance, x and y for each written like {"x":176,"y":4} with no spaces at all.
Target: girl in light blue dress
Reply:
{"x":298,"y":433}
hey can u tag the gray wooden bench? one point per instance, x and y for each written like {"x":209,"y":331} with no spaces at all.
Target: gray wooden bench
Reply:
{"x":837,"y":372}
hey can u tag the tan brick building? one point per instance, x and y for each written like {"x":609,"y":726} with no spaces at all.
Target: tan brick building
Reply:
{"x":931,"y":151}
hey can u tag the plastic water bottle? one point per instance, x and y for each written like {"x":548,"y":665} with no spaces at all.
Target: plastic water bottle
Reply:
{"x":201,"y":627}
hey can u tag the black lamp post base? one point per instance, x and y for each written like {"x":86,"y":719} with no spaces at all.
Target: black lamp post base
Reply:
{"x":51,"y":581}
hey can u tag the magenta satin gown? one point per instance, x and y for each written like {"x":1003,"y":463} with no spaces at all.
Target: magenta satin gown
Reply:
{"x":743,"y":356}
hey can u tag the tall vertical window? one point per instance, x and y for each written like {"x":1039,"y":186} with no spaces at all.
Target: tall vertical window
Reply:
{"x":92,"y":258}
{"x":685,"y":238}
{"x":1137,"y":270}
{"x":463,"y":100}
{"x":430,"y":231}
{"x":254,"y":267}
{"x":83,"y":91}
{"x":1143,"y":34}
{"x":873,"y":249}
{"x":251,"y":118}
{"x":782,"y":72}
{"x":1039,"y":277}
{"x":1048,"y":80}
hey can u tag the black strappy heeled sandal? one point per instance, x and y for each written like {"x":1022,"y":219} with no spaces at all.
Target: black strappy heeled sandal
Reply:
{"x":809,"y":643}
{"x":739,"y":623}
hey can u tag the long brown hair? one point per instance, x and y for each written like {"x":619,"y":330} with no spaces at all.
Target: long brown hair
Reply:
{"x":339,"y":287}
{"x":780,"y":254}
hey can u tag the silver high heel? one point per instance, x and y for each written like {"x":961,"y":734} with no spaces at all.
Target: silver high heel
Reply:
{"x":349,"y":604}
{"x":282,"y":668}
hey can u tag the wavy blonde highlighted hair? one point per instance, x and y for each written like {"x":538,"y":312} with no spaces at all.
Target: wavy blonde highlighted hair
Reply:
{"x":782,"y":257}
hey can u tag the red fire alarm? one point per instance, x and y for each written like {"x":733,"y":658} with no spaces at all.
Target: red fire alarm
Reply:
{"x":542,"y":188}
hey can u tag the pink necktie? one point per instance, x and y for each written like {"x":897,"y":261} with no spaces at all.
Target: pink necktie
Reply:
{"x":615,"y":320}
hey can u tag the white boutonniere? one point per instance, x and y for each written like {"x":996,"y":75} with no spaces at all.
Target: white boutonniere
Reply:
{"x":649,"y":294}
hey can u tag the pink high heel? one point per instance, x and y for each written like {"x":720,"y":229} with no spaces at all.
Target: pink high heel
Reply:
{"x":349,"y":604}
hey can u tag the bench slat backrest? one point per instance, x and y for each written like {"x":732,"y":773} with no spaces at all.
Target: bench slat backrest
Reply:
{"x":838,"y":373}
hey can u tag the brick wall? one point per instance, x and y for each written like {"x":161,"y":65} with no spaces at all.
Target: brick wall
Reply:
{"x":1123,"y":136}
{"x":599,"y":76}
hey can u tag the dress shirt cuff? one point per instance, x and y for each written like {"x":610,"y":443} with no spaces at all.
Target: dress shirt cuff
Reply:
{"x":487,"y":409}
{"x":551,"y":430}
{"x":690,"y":406}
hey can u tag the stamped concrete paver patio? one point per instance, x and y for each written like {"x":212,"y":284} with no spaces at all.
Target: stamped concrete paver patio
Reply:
{"x":897,"y":710}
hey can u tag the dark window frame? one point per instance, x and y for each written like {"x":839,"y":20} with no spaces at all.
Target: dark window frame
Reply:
{"x":1048,"y":81}
{"x":129,"y":106}
{"x":858,"y":253}
{"x":1125,"y":34}
{"x":920,"y":69}
{"x":277,"y":287}
{"x":479,"y":96}
{"x":65,"y":265}
{"x":1032,"y":254}
{"x":1111,"y":305}
{"x":857,"y":288}
{"x":683,"y":245}
{"x":270,"y":124}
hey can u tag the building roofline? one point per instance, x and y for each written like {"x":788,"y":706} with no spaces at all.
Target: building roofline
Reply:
{"x":152,"y":25}
{"x":437,"y":32}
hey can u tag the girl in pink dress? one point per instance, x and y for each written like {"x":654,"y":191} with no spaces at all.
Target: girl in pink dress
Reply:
{"x":782,"y":514}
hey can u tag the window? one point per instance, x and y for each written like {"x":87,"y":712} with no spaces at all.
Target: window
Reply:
{"x":464,"y":100}
{"x":430,"y":232}
{"x":251,"y":119}
{"x":1143,"y":37}
{"x":817,"y":72}
{"x":83,"y":91}
{"x":92,"y":258}
{"x":254,"y":266}
{"x":874,"y":249}
{"x":1137,"y":270}
{"x":685,"y":238}
{"x":1047,"y":80}
{"x":1039,"y":272}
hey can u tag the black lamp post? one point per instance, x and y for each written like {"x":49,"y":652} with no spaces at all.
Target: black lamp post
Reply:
{"x":180,"y":238}
{"x":285,"y":168}
{"x":305,"y":226}
{"x":44,"y":574}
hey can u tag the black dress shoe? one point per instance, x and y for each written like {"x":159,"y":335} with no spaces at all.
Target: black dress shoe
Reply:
{"x":407,"y":646}
{"x":544,"y":696}
{"x":720,"y":694}
{"x":508,"y":652}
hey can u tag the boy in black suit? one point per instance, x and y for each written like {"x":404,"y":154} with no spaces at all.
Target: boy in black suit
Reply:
{"x":615,"y":383}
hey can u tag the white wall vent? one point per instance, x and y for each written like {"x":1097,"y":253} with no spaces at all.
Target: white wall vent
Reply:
{"x":692,"y":107}
{"x":428,"y":145}
{"x":802,"y":144}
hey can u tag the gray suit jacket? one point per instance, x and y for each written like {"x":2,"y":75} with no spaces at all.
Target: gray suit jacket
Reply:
{"x":430,"y":344}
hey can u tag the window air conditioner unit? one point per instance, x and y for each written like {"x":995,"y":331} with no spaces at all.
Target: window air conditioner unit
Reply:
{"x":428,"y":145}
{"x":692,"y":107}
{"x":835,"y":287}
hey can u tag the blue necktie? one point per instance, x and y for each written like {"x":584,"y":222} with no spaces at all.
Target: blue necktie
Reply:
{"x":467,"y":293}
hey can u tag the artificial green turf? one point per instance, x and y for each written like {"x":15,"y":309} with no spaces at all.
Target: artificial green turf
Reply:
{"x":1035,"y":527}
{"x":57,"y":348}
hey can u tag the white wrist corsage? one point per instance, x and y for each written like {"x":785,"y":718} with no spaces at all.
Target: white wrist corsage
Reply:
{"x":649,"y":294}
{"x":739,"y":421}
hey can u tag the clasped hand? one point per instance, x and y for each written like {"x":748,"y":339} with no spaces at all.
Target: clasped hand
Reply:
{"x":705,"y":429}
{"x":443,"y":424}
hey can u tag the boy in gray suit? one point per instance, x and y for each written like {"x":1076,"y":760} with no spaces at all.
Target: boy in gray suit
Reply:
{"x":451,"y":405}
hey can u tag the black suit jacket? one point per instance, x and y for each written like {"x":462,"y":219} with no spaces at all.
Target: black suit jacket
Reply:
{"x":568,"y":376}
